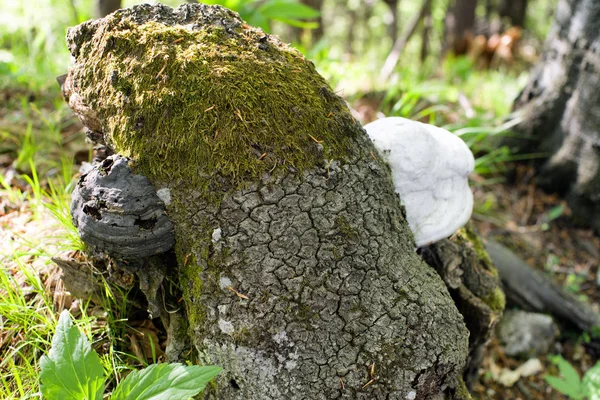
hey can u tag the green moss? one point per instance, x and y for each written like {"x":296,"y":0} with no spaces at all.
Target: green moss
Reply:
{"x":345,"y":228}
{"x":468,"y":234}
{"x":461,"y":392}
{"x":492,"y":296}
{"x":241,"y":335}
{"x":188,"y":105}
{"x":496,"y":300}
{"x":305,"y":312}
{"x":191,"y":284}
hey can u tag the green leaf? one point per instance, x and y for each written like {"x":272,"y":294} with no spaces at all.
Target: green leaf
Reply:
{"x":591,"y":382}
{"x":569,"y":373}
{"x":72,"y":370}
{"x":555,"y":212}
{"x":257,"y":19}
{"x":565,"y":387}
{"x":299,"y":24}
{"x":165,"y":381}
{"x":279,"y":9}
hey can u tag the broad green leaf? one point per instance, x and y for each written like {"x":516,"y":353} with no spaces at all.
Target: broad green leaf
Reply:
{"x":165,"y":381}
{"x":258,"y":20}
{"x":72,"y":370}
{"x":569,"y":373}
{"x":591,"y":382}
{"x":231,"y":4}
{"x":299,"y":24}
{"x":278,"y":9}
{"x":573,"y":391}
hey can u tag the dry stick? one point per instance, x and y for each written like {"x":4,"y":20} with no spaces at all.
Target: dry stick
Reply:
{"x":533,"y":291}
{"x":394,"y":56}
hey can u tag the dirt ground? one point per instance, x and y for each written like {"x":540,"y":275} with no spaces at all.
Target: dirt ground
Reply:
{"x":537,"y":226}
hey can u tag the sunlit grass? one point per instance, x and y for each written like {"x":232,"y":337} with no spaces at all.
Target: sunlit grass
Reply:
{"x":31,"y":294}
{"x":36,"y":225}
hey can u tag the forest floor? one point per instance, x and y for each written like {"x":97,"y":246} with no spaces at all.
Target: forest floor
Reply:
{"x":534,"y":224}
{"x":537,"y":227}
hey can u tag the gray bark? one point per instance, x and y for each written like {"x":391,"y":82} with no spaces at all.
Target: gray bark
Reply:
{"x":333,"y":286}
{"x":560,"y":110}
{"x":474,"y":284}
{"x":301,"y":284}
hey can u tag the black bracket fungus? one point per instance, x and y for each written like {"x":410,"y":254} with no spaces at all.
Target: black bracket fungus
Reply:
{"x":120,"y":213}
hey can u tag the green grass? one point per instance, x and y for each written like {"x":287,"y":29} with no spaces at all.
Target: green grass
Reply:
{"x":37,"y":227}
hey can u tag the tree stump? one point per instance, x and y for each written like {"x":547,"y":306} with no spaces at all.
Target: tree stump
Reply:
{"x":293,"y":254}
{"x":473,"y":281}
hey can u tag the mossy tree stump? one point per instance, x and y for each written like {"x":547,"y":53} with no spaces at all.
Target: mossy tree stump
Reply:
{"x":294,"y":257}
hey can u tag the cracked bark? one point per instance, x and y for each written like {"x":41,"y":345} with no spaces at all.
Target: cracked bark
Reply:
{"x":333,"y":285}
{"x":302,"y":283}
{"x":474,"y":284}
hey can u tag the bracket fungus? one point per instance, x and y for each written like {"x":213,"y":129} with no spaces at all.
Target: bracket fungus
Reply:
{"x":430,"y":169}
{"x":119,"y":212}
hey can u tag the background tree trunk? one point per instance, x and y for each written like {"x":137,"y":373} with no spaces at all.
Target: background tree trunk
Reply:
{"x":393,"y":28}
{"x":560,"y":107}
{"x":300,"y":280}
{"x":317,"y":33}
{"x":460,"y":25}
{"x":105,"y":7}
{"x":515,"y":11}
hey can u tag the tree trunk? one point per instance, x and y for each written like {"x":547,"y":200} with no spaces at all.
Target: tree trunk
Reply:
{"x":460,"y":25}
{"x":474,"y":284}
{"x":515,"y":11}
{"x":105,"y":7}
{"x":559,"y":107}
{"x":293,"y":255}
{"x":393,"y":27}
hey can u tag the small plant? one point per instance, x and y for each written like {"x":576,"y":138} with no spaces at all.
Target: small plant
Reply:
{"x":72,"y":371}
{"x":571,"y":384}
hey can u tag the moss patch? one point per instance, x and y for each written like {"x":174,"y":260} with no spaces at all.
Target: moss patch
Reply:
{"x":188,"y":105}
{"x":191,"y":284}
{"x":496,"y":300}
{"x":468,"y":234}
{"x":491,"y":293}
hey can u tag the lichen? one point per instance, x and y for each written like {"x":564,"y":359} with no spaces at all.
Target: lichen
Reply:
{"x":196,"y":105}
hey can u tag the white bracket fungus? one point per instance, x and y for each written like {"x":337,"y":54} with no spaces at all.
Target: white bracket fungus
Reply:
{"x":430,"y":169}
